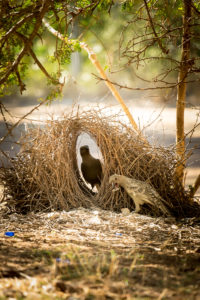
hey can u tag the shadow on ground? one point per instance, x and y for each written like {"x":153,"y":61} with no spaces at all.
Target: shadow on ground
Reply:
{"x":95,"y":254}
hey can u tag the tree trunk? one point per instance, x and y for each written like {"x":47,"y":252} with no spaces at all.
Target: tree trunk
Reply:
{"x":181,"y":93}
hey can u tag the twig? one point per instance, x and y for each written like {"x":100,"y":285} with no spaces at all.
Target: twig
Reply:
{"x":3,"y":115}
{"x":137,"y":89}
{"x":22,"y":118}
{"x":15,"y":27}
{"x":195,"y":187}
{"x":166,"y":51}
{"x":21,"y":84}
{"x":195,"y":9}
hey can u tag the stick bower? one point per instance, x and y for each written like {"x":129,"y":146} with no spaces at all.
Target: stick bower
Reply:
{"x":45,"y":174}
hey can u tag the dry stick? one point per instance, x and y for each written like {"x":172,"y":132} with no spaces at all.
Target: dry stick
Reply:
{"x":93,"y":59}
{"x":22,"y":118}
{"x":195,"y":187}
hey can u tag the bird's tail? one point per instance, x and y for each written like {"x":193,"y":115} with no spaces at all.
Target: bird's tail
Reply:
{"x":164,"y":209}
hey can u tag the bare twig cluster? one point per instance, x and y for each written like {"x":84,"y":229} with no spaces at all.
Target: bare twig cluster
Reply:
{"x":45,"y":174}
{"x":154,"y":38}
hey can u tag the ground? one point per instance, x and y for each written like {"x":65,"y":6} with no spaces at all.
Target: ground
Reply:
{"x":96,"y":254}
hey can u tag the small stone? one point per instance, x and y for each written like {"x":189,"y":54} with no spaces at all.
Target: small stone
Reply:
{"x":125,"y":211}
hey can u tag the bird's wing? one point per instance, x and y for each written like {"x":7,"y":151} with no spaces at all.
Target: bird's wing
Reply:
{"x":163,"y":208}
{"x":99,"y":168}
{"x":158,"y":200}
{"x":155,"y":194}
{"x":145,"y":193}
{"x":84,"y":171}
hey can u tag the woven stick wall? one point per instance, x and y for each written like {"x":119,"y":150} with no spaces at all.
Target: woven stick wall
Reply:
{"x":45,"y":173}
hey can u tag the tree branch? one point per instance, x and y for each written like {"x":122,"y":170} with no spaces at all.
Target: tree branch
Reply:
{"x":42,"y":68}
{"x":16,"y":26}
{"x":195,"y":9}
{"x":44,"y":8}
{"x":165,"y":51}
{"x":21,"y":84}
{"x":137,"y":89}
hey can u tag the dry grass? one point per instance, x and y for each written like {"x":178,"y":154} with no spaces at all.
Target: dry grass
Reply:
{"x":96,"y":254}
{"x":45,"y":174}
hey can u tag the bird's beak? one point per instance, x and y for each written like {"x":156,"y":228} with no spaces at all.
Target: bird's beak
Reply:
{"x":110,"y":180}
{"x":115,"y":186}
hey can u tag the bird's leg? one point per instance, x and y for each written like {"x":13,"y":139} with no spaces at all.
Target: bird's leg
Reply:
{"x":115,"y":187}
{"x":97,"y":186}
{"x":137,"y":207}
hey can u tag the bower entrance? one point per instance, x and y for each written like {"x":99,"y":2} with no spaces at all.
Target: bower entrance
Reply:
{"x":82,"y":140}
{"x":46,"y":176}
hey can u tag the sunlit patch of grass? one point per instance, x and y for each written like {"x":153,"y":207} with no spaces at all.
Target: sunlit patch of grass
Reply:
{"x":74,"y":264}
{"x":46,"y":255}
{"x":101,"y":275}
{"x":89,"y":274}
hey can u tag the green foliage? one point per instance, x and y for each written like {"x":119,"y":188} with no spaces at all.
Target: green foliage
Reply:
{"x":63,"y":53}
{"x":127,"y":5}
{"x":20,"y":30}
{"x":83,"y":3}
{"x":106,"y":5}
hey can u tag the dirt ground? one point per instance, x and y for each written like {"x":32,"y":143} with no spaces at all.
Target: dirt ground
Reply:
{"x":95,"y":254}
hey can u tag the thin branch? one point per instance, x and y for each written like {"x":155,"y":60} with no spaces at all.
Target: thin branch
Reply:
{"x":195,"y":9}
{"x":21,"y":84}
{"x":42,"y":68}
{"x":19,"y":121}
{"x":137,"y":89}
{"x":26,"y":46}
{"x":16,"y":26}
{"x":3,"y":115}
{"x":166,"y":51}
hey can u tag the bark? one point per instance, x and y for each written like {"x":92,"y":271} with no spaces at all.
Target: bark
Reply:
{"x":181,"y":93}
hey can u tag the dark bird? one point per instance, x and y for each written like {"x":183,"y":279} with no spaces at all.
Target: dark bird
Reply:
{"x":90,"y":167}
